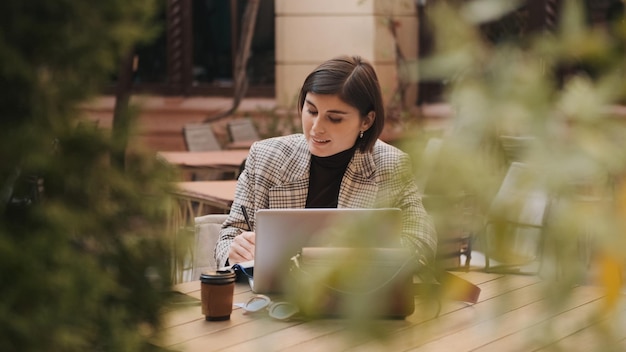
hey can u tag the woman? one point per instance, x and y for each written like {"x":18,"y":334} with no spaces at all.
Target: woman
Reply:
{"x":338,"y":161}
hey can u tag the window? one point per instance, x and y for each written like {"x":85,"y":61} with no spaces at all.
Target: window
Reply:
{"x":194,"y":53}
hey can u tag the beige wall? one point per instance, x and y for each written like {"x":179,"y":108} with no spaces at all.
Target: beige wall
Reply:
{"x":311,"y":31}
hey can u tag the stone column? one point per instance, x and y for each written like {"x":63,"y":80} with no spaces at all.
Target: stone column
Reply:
{"x":309,"y":32}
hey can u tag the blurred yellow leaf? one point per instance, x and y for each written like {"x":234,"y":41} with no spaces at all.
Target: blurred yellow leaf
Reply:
{"x":610,"y":279}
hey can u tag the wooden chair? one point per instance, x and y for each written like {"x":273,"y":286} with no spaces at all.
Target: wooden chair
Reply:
{"x":242,"y":130}
{"x":428,"y":161}
{"x":199,"y":137}
{"x":514,"y":147}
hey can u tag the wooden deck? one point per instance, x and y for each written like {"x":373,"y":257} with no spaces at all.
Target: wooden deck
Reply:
{"x":514,"y":313}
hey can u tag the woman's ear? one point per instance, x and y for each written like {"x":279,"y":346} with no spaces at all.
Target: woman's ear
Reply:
{"x":368,"y":121}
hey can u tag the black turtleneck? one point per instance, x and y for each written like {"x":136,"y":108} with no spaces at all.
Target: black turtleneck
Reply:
{"x":325,"y":179}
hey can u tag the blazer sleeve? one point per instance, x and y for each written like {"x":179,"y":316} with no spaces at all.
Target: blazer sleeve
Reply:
{"x":399,"y":189}
{"x":235,"y":224}
{"x":418,"y":230}
{"x":260,"y":174}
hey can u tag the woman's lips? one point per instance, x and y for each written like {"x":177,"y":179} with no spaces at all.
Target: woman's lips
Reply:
{"x":320,"y":140}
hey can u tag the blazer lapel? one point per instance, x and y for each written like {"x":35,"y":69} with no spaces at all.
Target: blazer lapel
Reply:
{"x":293,"y":191}
{"x":359,"y":187}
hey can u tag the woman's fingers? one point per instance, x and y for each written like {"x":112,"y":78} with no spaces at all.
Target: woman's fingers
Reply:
{"x":242,"y":248}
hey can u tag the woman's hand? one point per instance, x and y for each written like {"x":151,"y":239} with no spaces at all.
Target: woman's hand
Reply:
{"x":242,"y":248}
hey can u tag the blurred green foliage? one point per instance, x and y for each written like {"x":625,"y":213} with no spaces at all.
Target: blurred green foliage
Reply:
{"x":560,"y":90}
{"x":83,"y":256}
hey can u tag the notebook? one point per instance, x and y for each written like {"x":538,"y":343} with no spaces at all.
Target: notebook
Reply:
{"x":281,"y":233}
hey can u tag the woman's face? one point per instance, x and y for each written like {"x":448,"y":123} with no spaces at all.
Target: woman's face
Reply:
{"x":331,"y":125}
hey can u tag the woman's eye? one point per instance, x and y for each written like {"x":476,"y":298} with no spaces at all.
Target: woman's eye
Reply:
{"x":312,"y":112}
{"x":334,"y":119}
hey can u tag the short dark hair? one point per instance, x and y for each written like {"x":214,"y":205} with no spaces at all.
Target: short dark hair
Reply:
{"x":355,"y":82}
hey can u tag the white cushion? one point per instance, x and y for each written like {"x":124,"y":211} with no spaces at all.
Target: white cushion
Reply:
{"x":207,"y":232}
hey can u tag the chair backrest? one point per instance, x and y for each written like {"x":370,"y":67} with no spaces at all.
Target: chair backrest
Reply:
{"x":514,"y":147}
{"x":200,"y":137}
{"x":514,"y":232}
{"x":207,"y":232}
{"x":523,"y":195}
{"x":429,"y":159}
{"x":242,"y":129}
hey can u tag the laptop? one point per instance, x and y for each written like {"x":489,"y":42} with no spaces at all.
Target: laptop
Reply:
{"x":281,"y":234}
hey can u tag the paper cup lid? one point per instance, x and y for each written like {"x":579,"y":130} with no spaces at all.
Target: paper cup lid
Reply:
{"x":218,"y":276}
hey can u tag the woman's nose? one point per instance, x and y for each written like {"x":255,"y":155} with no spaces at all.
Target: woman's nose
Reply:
{"x":318,"y":126}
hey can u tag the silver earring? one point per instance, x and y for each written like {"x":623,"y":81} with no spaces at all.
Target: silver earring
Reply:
{"x":360,"y":134}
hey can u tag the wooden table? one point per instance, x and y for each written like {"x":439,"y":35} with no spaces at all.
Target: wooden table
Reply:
{"x":513,"y":314}
{"x":197,"y":198}
{"x":207,"y":195}
{"x":217,"y":160}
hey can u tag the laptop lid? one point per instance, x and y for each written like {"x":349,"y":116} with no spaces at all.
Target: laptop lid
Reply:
{"x":281,"y":234}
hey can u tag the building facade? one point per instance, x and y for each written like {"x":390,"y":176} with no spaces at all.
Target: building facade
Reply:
{"x":194,"y":55}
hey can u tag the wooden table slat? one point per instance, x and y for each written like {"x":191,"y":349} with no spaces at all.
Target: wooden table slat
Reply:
{"x":545,"y":332}
{"x":500,"y":325}
{"x":593,"y":337}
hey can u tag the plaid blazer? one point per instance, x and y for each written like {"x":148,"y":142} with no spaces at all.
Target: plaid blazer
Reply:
{"x":276,"y":175}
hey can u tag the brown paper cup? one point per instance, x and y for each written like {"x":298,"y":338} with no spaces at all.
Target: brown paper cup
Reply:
{"x":217,"y":288}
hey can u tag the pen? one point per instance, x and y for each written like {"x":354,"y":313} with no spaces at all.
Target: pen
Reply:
{"x":245,"y":216}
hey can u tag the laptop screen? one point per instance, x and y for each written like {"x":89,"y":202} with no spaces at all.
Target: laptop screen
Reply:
{"x":281,"y":234}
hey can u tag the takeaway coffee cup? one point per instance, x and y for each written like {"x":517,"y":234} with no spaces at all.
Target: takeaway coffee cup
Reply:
{"x":217,"y":288}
